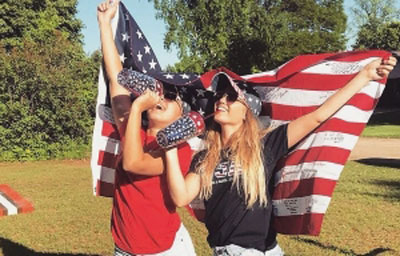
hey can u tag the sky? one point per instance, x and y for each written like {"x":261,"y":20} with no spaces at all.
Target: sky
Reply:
{"x":144,"y":14}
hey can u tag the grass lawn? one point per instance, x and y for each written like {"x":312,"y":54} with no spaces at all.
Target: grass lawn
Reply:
{"x":382,"y":131}
{"x":363,"y":217}
{"x":383,"y":125}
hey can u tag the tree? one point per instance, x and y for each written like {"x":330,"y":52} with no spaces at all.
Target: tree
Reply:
{"x":385,"y":36}
{"x":37,"y":19}
{"x":374,"y":12}
{"x":248,"y":36}
{"x":378,"y":28}
{"x":46,"y":99}
{"x":47,"y":91}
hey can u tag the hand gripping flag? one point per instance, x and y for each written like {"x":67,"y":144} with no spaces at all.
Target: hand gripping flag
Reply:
{"x":306,"y":178}
{"x":136,"y":54}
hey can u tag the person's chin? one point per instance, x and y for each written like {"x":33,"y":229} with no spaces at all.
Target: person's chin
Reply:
{"x":154,"y":115}
{"x":221,"y":119}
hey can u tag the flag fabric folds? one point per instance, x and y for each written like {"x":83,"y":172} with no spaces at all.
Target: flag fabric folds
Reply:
{"x":306,"y":178}
{"x":135,"y":53}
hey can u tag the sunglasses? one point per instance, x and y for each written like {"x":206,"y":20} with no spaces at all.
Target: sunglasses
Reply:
{"x":170,"y":95}
{"x":231,"y":96}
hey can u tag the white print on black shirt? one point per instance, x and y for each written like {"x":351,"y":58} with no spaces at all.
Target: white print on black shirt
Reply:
{"x":224,"y":172}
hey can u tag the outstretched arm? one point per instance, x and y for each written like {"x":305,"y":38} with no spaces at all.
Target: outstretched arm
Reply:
{"x":302,"y":126}
{"x":120,"y":97}
{"x":182,"y":189}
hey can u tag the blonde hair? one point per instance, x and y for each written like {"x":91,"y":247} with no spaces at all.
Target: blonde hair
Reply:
{"x":245,"y":150}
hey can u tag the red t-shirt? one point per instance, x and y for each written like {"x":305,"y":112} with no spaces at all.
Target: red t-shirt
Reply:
{"x":144,"y":218}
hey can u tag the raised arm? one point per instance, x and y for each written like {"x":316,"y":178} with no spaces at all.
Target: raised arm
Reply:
{"x":120,"y":97}
{"x":135,"y":158}
{"x":182,"y":189}
{"x":302,"y":126}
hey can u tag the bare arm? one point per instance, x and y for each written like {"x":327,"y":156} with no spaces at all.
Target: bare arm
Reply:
{"x":182,"y":189}
{"x":120,"y":97}
{"x":302,"y":126}
{"x":135,"y":159}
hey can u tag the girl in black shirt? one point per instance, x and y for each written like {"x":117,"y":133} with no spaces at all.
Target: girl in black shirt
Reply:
{"x":234,"y":173}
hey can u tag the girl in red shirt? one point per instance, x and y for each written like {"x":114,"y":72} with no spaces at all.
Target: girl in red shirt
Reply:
{"x":144,"y":218}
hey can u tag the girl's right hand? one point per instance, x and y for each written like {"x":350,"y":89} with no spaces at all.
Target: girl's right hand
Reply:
{"x":379,"y":68}
{"x":106,"y":11}
{"x":146,"y":101}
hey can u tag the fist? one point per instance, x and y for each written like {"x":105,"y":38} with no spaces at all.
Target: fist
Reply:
{"x":106,"y":10}
{"x":380,"y":68}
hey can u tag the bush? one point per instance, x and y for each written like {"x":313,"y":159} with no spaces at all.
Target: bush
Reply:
{"x":47,"y":99}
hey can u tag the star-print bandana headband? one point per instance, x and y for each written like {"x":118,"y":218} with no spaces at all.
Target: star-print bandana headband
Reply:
{"x":137,"y":83}
{"x":246,"y":93}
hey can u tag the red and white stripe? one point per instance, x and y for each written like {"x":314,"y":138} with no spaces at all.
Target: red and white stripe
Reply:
{"x":11,"y":203}
{"x":105,"y":144}
{"x":306,"y":178}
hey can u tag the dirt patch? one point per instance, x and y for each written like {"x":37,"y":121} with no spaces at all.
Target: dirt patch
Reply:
{"x":376,"y":148}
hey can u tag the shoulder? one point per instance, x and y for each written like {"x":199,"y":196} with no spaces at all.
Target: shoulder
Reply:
{"x":276,"y":134}
{"x":275,"y":143}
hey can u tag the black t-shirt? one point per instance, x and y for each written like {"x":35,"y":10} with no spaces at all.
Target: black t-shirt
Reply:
{"x":227,"y":219}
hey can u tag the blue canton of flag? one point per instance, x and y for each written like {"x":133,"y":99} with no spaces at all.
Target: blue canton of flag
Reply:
{"x":136,"y":53}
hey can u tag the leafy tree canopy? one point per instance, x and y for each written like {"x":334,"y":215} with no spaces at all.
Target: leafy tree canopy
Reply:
{"x":248,"y":36}
{"x":37,"y":19}
{"x":385,"y":37}
{"x":375,"y":12}
{"x":379,"y":25}
{"x":47,"y":89}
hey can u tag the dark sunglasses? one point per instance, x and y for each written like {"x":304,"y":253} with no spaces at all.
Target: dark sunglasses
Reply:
{"x":170,"y":95}
{"x":231,"y":96}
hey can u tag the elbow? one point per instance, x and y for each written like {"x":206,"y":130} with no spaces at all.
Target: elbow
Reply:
{"x":127,"y":165}
{"x":130,"y":166}
{"x":179,"y":202}
{"x":140,"y":168}
{"x":319,"y":121}
{"x":319,"y":118}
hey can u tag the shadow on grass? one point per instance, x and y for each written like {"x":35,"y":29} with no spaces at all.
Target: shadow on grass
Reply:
{"x":384,"y":162}
{"x":393,"y":191}
{"x":373,"y":252}
{"x":385,"y":116}
{"x":11,"y":248}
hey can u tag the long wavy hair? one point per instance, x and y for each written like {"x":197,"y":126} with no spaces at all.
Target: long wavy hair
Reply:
{"x":244,"y":149}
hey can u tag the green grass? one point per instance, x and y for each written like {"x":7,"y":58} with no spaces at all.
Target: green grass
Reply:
{"x":383,"y":125}
{"x":382,"y":131}
{"x":362,"y":219}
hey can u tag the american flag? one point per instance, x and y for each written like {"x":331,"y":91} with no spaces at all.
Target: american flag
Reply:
{"x":135,"y":53}
{"x":306,"y":178}
{"x":12,"y":203}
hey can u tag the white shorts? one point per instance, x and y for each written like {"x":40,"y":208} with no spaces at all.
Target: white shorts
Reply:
{"x":182,"y":245}
{"x":235,"y":250}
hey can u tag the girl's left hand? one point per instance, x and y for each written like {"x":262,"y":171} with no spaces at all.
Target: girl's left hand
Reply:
{"x":146,"y":100}
{"x":379,"y":69}
{"x":106,"y":11}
